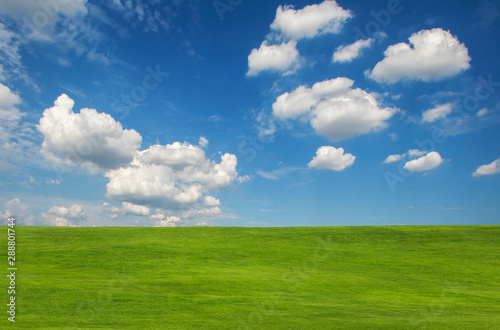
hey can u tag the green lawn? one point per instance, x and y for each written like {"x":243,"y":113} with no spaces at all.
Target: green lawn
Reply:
{"x":404,"y":277}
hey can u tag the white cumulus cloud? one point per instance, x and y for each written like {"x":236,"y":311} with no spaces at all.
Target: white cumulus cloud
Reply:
{"x":393,"y":158}
{"x":64,"y":216}
{"x":310,"y":21}
{"x":160,"y":215}
{"x":488,"y":169}
{"x":412,"y":153}
{"x":14,"y":208}
{"x":94,"y":140}
{"x":303,"y":99}
{"x":331,"y":158}
{"x":162,"y":177}
{"x":350,"y":52}
{"x":211,"y":201}
{"x":175,"y":155}
{"x":431,"y":55}
{"x":428,"y":162}
{"x":73,"y":212}
{"x":439,"y":112}
{"x":282,"y":58}
{"x":129,"y":208}
{"x":176,"y":177}
{"x":334,"y":109}
{"x":171,"y":221}
{"x":7,"y":101}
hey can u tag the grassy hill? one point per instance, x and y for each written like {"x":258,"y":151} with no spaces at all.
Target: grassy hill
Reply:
{"x":405,"y":277}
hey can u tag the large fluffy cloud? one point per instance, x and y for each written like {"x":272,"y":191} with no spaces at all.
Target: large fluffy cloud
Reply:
{"x":303,"y":99}
{"x":350,"y":52}
{"x":331,"y":158}
{"x":175,"y":155}
{"x":334,"y":109}
{"x":292,"y":25}
{"x":435,"y":54}
{"x":278,"y":58}
{"x":354,"y":113}
{"x":488,"y":169}
{"x":312,"y":20}
{"x":428,"y":162}
{"x":174,"y":176}
{"x":92,"y":139}
{"x":177,"y":177}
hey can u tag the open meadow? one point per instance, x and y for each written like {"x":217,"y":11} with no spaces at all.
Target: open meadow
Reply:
{"x":398,"y":277}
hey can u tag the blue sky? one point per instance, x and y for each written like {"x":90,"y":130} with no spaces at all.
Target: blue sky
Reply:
{"x":241,"y":113}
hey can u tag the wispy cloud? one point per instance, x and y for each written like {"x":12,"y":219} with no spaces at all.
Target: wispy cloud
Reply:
{"x":280,"y":173}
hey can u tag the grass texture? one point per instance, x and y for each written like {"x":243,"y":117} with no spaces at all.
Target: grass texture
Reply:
{"x":396,"y":277}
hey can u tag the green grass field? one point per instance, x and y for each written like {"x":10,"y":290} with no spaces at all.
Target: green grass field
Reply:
{"x":404,"y":277}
